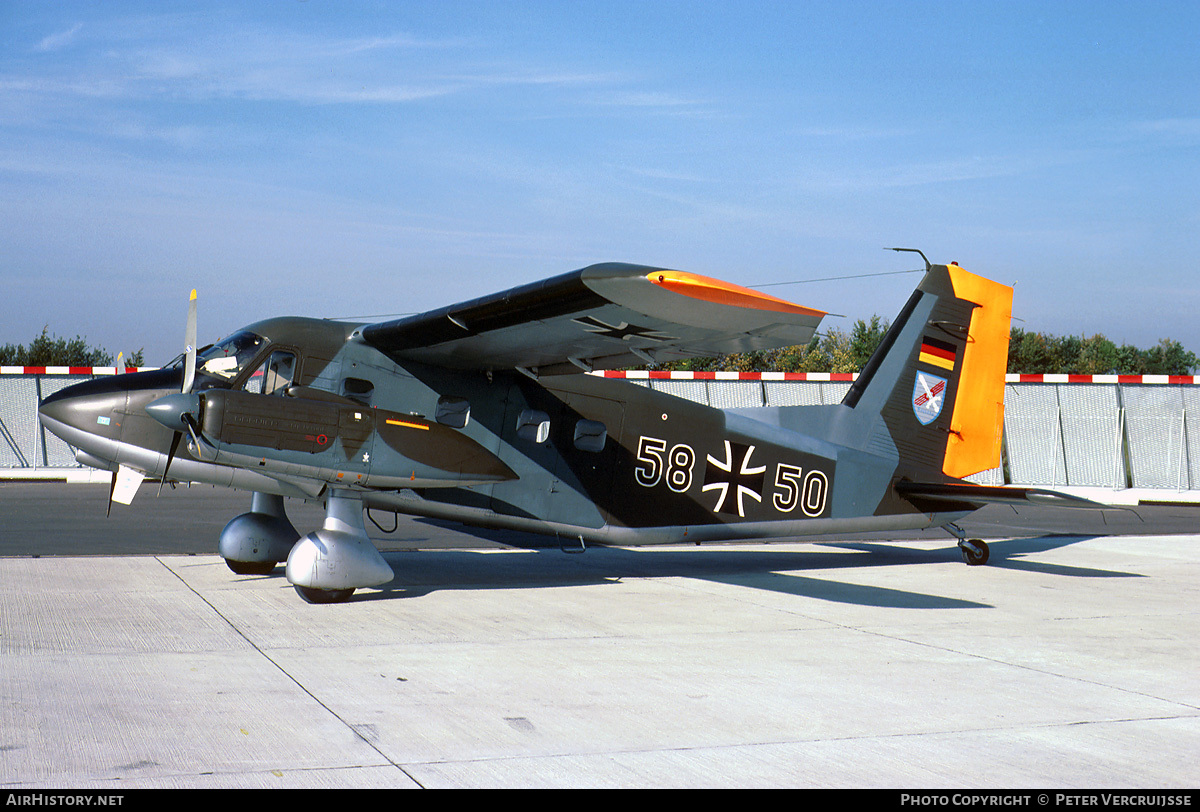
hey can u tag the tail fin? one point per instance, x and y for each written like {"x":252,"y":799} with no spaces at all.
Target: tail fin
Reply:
{"x":937,"y":379}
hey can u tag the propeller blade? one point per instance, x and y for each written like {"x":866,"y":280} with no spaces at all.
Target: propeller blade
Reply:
{"x":194,"y":430}
{"x":175,"y":438}
{"x":189,"y":363}
{"x":124,"y":486}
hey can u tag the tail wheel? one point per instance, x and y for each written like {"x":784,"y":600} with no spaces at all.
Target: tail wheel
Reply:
{"x":975,"y":552}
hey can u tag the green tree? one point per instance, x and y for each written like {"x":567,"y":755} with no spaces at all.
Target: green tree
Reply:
{"x":838,"y":348}
{"x":1028,"y":352}
{"x":48,"y":350}
{"x":1097,"y":356}
{"x":1130,"y":361}
{"x":1169,"y":357}
{"x":865,"y":337}
{"x":807,"y":358}
{"x":1040,"y":353}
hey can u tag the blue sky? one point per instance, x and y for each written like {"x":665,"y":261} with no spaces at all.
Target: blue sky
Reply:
{"x":360,"y":159}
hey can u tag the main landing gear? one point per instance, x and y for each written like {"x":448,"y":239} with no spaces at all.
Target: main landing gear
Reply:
{"x":975,"y":552}
{"x":327,"y":565}
{"x":253,"y":543}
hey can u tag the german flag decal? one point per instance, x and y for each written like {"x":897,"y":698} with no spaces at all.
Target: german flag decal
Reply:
{"x":937,"y":352}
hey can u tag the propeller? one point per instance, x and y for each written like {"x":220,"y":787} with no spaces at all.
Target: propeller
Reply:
{"x":177,"y":412}
{"x":125,"y":480}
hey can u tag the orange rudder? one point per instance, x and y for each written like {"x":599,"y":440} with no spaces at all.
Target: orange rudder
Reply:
{"x":978,"y":416}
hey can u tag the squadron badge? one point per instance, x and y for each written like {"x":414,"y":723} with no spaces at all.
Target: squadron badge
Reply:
{"x":929,"y":393}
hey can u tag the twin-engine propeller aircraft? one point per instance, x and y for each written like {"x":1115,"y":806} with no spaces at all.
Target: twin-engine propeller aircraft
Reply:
{"x":479,"y":412}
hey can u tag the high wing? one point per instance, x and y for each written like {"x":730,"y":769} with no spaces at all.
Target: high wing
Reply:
{"x":601,"y":317}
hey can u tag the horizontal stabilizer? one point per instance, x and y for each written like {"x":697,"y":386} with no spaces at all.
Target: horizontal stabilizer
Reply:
{"x":978,"y":495}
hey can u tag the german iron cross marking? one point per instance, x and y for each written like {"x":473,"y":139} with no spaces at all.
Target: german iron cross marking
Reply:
{"x":623,"y":331}
{"x":734,"y":477}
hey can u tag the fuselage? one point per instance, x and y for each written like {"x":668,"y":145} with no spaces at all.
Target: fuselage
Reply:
{"x":296,"y":407}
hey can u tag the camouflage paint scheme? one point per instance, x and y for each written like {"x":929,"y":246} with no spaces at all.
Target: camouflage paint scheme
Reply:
{"x":479,"y":413}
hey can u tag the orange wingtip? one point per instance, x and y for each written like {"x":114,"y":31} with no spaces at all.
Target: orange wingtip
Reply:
{"x":714,"y":290}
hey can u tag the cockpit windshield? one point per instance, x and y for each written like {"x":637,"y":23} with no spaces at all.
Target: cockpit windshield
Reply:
{"x":230,"y":356}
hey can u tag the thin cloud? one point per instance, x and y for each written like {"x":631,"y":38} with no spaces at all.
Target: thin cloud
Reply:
{"x":651,"y":101}
{"x":270,"y":66}
{"x":1182,"y":128}
{"x":59,"y":40}
{"x":394,"y":41}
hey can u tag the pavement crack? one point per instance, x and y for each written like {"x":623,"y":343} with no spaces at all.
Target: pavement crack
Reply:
{"x":364,"y":734}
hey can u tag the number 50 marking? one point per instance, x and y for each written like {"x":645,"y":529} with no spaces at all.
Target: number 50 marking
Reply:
{"x":794,"y":487}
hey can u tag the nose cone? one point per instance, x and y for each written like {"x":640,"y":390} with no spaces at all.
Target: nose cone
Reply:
{"x":99,"y":408}
{"x":95,"y":407}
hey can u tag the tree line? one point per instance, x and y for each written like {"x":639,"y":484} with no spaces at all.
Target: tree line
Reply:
{"x":834,"y":351}
{"x":1031,"y":352}
{"x":54,"y":351}
{"x":1028,"y":352}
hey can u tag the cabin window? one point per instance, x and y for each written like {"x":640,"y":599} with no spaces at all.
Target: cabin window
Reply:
{"x":590,"y":435}
{"x":274,"y":376}
{"x":533,"y":426}
{"x":358,"y":389}
{"x":453,"y":412}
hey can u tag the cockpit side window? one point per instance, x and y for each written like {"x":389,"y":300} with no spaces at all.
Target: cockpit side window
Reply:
{"x":230,"y":356}
{"x":274,"y":376}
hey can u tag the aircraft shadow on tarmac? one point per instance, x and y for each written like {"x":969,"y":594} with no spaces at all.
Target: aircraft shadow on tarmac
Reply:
{"x":532,"y":564}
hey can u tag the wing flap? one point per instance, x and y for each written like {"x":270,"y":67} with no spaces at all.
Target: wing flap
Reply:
{"x":600,"y":317}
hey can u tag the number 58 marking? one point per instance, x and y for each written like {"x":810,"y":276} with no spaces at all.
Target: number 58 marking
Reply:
{"x":654,"y":459}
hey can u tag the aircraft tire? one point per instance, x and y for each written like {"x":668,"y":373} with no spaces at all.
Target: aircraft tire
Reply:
{"x":313,"y":595}
{"x":250,"y":567}
{"x":975,"y":552}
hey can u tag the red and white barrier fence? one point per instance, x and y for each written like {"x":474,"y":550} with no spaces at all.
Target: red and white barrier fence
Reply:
{"x":68,"y":370}
{"x":662,"y":375}
{"x":655,"y":375}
